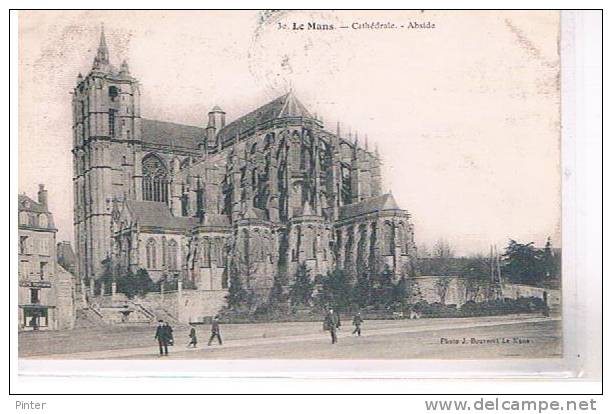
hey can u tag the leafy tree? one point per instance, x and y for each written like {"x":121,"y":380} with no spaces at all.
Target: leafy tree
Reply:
{"x":362,"y":290}
{"x":383,"y":288}
{"x":135,"y":284}
{"x":277,"y":298}
{"x":522,"y":263}
{"x":300,"y":292}
{"x":237,"y":296}
{"x":335,"y":290}
{"x":551,"y":263}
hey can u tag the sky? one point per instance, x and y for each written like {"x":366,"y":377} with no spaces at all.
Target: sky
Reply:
{"x":466,"y":115}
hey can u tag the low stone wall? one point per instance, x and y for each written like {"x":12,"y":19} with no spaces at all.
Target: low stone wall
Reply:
{"x":455,"y":293}
{"x":517,"y":291}
{"x":195,"y":305}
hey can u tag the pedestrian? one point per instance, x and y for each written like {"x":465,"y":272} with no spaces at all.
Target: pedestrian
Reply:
{"x":193,"y":338}
{"x":169,"y":334}
{"x":215,"y":332}
{"x":162,"y":338}
{"x":357,"y":321}
{"x":332,"y":324}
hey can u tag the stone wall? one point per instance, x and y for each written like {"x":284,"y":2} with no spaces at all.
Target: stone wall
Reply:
{"x":64,"y":299}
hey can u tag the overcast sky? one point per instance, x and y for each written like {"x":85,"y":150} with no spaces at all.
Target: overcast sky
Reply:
{"x":465,"y":115}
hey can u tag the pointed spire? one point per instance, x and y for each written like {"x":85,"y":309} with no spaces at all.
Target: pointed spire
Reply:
{"x":338,"y":129}
{"x":376,"y":150}
{"x":102,"y":57}
{"x":366,"y":142}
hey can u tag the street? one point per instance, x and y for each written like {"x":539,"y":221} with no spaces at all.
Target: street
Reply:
{"x":516,"y":336}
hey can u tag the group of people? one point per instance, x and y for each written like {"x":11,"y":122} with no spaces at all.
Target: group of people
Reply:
{"x":332,"y":324}
{"x":165,"y":336}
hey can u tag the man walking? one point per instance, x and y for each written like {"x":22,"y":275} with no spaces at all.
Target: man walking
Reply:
{"x":215,"y":332}
{"x":162,"y":338}
{"x":357,"y":321}
{"x":193,"y":339}
{"x":332,"y":323}
{"x":169,"y":334}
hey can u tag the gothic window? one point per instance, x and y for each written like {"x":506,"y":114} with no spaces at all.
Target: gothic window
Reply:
{"x":205,"y":252}
{"x":155,"y":179}
{"x":164,"y":255}
{"x":402,"y":239}
{"x":113,"y":92}
{"x":23,"y":218}
{"x":185,"y":204}
{"x":111,"y":122}
{"x":172,"y":255}
{"x":309,"y":242}
{"x":151,"y":250}
{"x":222,"y":253}
{"x":387,"y":245}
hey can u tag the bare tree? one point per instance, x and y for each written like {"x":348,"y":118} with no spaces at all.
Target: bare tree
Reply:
{"x":442,"y":284}
{"x":443,"y":250}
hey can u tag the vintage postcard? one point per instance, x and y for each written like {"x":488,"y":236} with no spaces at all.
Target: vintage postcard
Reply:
{"x":289,"y":185}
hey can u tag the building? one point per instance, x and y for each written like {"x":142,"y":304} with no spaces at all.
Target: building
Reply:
{"x":257,"y":196}
{"x":66,"y":257}
{"x":46,"y":290}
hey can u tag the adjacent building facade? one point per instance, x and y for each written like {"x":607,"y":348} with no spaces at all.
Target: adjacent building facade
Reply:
{"x":256,"y":196}
{"x":46,"y":290}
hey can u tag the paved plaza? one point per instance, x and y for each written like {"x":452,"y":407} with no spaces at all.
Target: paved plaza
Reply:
{"x":515,"y":336}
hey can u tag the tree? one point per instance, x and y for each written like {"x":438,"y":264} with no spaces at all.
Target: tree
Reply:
{"x":135,"y":284}
{"x":522,"y":263}
{"x":300,"y":292}
{"x":237,"y":296}
{"x":442,"y":284}
{"x":551,"y":263}
{"x":443,"y":250}
{"x":335,"y":290}
{"x":277,"y":298}
{"x":362,"y":290}
{"x":442,"y":254}
{"x":476,"y":277}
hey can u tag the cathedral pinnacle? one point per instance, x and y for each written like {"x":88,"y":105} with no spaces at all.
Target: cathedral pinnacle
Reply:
{"x":102,"y":57}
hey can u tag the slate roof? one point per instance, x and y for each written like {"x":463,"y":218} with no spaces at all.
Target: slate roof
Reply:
{"x":156,"y":214}
{"x":284,"y":106}
{"x":384,"y":202}
{"x":169,"y":133}
{"x":33,"y":206}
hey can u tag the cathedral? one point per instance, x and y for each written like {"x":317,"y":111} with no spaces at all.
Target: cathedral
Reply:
{"x":256,"y":196}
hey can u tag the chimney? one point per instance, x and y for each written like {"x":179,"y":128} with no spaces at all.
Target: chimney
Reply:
{"x":42,"y":196}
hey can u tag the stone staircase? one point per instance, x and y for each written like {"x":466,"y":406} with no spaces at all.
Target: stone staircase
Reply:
{"x":88,"y":318}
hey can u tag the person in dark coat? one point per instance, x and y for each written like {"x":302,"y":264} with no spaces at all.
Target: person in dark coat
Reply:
{"x":332,"y":324}
{"x":357,"y":321}
{"x":162,"y":338}
{"x":193,"y":337}
{"x":215,"y":331}
{"x":169,"y":334}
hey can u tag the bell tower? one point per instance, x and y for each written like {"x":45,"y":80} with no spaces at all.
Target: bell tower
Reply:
{"x":106,"y":126}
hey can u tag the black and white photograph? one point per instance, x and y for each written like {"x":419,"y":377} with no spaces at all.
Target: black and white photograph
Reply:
{"x":292,"y":185}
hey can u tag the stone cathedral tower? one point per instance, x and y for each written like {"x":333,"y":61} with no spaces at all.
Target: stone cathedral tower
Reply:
{"x":106,"y":124}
